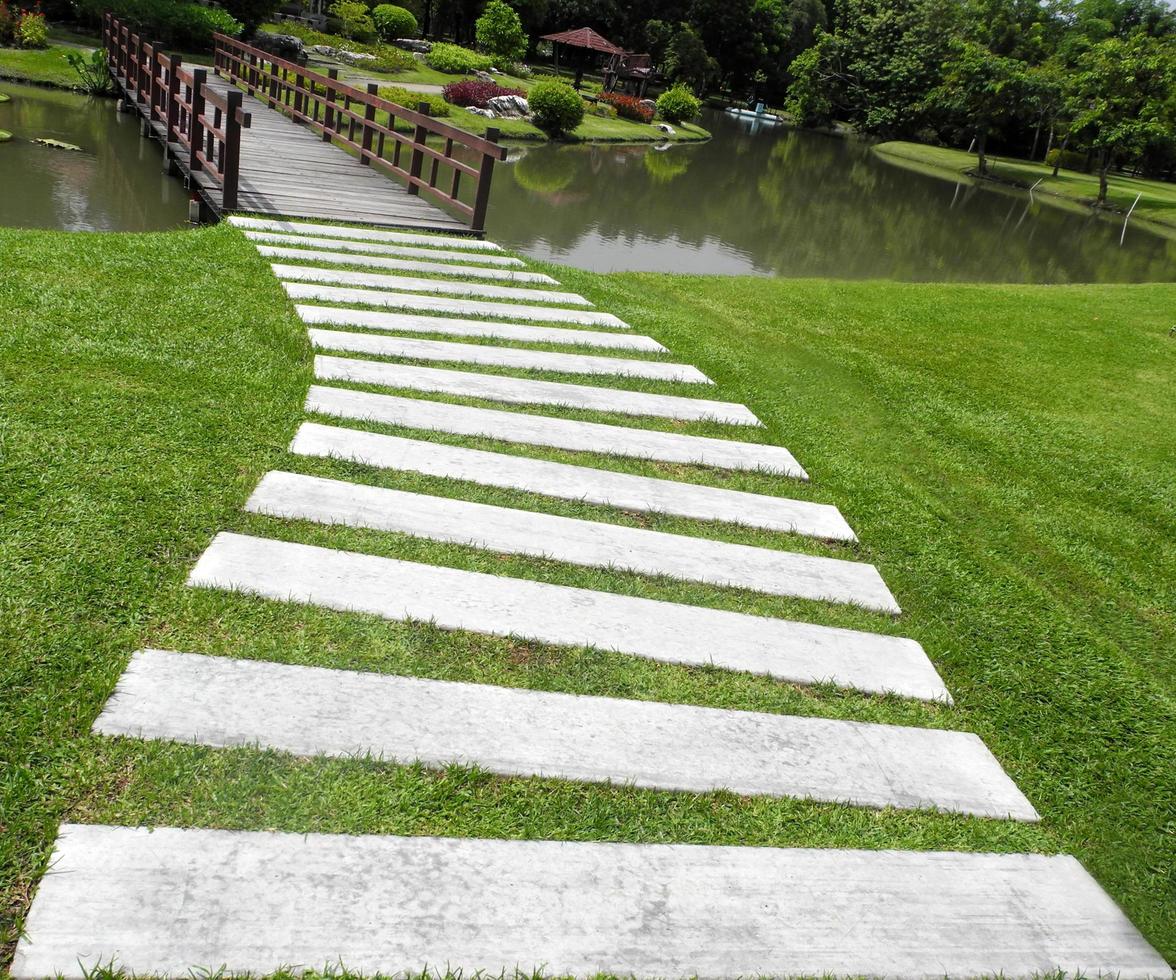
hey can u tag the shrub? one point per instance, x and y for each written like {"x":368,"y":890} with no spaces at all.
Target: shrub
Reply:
{"x":354,"y":20}
{"x":410,"y":100}
{"x":500,"y":32}
{"x":188,"y":26}
{"x":7,"y":24}
{"x":627,"y":106}
{"x":678,"y":104}
{"x":31,"y":30}
{"x":93,"y":71}
{"x":558,"y":108}
{"x":251,"y":13}
{"x":453,"y":59}
{"x":393,"y":22}
{"x":1067,"y":159}
{"x":476,"y":93}
{"x":390,"y":60}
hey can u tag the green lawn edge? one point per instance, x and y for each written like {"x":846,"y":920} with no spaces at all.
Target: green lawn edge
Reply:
{"x":1002,"y":451}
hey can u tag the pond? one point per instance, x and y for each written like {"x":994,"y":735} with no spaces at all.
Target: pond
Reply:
{"x":771,"y":200}
{"x":116,"y":182}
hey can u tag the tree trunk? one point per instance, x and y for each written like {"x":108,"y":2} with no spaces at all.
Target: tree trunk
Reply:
{"x":1036,"y":137}
{"x":1102,"y":176}
{"x":1061,"y":153}
{"x":981,"y":159}
{"x":1049,"y":143}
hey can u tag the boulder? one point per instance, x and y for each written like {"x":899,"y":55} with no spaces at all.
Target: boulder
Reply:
{"x":484,"y":76}
{"x":666,"y":128}
{"x":355,"y":57}
{"x":509,"y":106}
{"x":488,"y":113}
{"x":285,"y":46}
{"x":416,"y":44}
{"x":649,"y":104}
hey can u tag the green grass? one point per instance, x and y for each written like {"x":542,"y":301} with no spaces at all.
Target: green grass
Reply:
{"x":45,"y":66}
{"x":1004,"y":453}
{"x":1157,"y":204}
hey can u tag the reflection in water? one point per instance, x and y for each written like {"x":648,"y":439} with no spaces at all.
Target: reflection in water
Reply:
{"x":115,"y":184}
{"x":783,"y":202}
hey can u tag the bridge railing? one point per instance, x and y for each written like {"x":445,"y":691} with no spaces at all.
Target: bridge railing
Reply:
{"x":204,"y":124}
{"x":433,"y":159}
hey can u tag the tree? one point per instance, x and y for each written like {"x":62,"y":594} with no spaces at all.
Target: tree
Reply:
{"x":500,"y":32}
{"x":251,"y":13}
{"x":687,"y":60}
{"x":1124,"y":98}
{"x":982,"y":92}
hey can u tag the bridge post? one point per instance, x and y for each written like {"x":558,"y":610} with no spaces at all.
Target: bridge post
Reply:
{"x":172,"y":116}
{"x":329,"y":112}
{"x":195,"y":127}
{"x":416,"y":161}
{"x":369,"y":116}
{"x":231,"y":159}
{"x":482,"y":195}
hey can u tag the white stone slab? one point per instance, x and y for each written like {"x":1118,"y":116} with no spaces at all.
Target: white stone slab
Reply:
{"x":445,"y":304}
{"x":406,"y":265}
{"x":385,"y":345}
{"x":622,"y":490}
{"x":311,"y":711}
{"x":415,"y":323}
{"x":567,"y":539}
{"x":368,"y":248}
{"x":523,"y":391}
{"x":671,"y":632}
{"x":445,"y":287}
{"x":543,"y":430}
{"x":171,"y":901}
{"x":458,"y":242}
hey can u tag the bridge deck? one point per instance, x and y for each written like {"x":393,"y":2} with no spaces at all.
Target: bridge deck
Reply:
{"x":286,"y":169}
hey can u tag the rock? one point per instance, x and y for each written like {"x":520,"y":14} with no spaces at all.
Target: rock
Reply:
{"x":666,"y":128}
{"x":59,"y":145}
{"x":285,"y":46}
{"x":509,"y":106}
{"x":488,"y":113}
{"x":484,"y":76}
{"x":414,"y":44}
{"x":324,"y":49}
{"x":649,"y":104}
{"x":355,"y":57}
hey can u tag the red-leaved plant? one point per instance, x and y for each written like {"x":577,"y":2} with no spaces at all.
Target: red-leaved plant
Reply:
{"x":627,"y":106}
{"x":475,"y":93}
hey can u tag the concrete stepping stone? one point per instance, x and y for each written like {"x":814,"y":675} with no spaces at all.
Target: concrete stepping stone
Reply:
{"x":452,"y":598}
{"x":460,"y":243}
{"x":311,"y":711}
{"x":621,"y":490}
{"x":414,"y":323}
{"x":447,"y":287}
{"x":385,"y":345}
{"x":445,"y":304}
{"x":368,"y":248}
{"x":407,"y":265}
{"x":543,"y":430}
{"x":524,"y":391}
{"x":167,"y":901}
{"x":594,"y":544}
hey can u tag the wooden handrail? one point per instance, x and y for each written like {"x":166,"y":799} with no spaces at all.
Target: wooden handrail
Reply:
{"x":349,"y":117}
{"x":207,"y":126}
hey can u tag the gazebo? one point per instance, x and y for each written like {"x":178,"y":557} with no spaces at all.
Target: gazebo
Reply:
{"x":585,"y":39}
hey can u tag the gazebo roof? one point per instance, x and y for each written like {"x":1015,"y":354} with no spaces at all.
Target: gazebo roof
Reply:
{"x":584,"y":37}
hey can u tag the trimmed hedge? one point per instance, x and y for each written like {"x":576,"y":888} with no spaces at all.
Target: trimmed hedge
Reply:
{"x":393,"y":22}
{"x":557,"y":108}
{"x":678,"y":104}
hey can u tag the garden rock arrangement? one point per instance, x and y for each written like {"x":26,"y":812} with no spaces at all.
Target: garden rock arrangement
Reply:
{"x":509,"y":106}
{"x":285,"y":46}
{"x":174,"y":900}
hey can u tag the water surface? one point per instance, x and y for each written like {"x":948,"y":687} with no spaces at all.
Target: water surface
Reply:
{"x":766,"y":200}
{"x":115,"y":184}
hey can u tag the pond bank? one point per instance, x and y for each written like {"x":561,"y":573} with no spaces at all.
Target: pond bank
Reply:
{"x":1157,"y":205}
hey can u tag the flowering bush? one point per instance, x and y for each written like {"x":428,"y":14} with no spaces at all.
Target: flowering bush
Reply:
{"x":628,"y":106}
{"x":31,"y":29}
{"x":476,"y":93}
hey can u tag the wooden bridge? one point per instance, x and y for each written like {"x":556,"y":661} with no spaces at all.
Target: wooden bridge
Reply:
{"x":261,"y":135}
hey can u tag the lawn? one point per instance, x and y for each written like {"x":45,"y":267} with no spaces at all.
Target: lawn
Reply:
{"x":1004,"y":453}
{"x":44,"y":66}
{"x":1157,"y":204}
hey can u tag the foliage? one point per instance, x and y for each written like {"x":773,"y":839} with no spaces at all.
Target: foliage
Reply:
{"x":687,"y":61}
{"x":7,"y":24}
{"x":186,"y":26}
{"x":499,"y":31}
{"x":393,"y":21}
{"x":437,"y":106}
{"x":32,"y":30}
{"x":389,"y":60}
{"x":453,"y":59}
{"x":678,"y":104}
{"x":355,"y":21}
{"x":93,"y":71}
{"x":250,"y":13}
{"x":556,"y":106}
{"x":627,"y":106}
{"x":473,"y":92}
{"x":1057,"y":157}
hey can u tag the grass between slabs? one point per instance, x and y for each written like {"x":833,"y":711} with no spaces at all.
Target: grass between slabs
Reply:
{"x":1003,"y":452}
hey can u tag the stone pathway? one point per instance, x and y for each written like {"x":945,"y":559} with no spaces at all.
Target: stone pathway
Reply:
{"x":172,"y":901}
